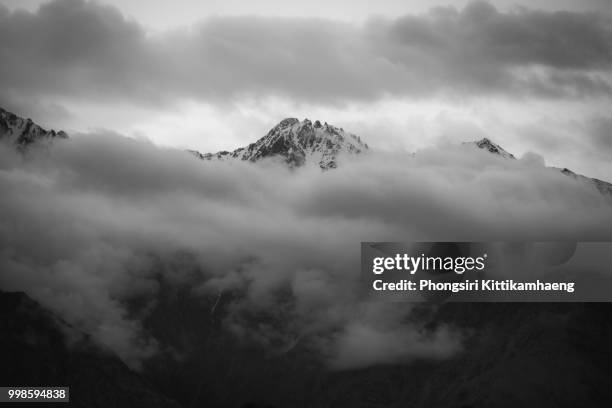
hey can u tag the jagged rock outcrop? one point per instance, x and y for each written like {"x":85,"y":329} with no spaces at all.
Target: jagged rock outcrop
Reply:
{"x":487,"y":144}
{"x":298,"y":143}
{"x":24,"y":132}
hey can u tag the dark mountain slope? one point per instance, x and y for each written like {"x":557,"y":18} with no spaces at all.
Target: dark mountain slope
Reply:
{"x":34,"y":352}
{"x":514,"y":354}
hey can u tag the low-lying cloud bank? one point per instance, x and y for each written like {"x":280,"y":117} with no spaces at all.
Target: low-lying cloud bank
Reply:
{"x":75,"y":49}
{"x":94,"y":221}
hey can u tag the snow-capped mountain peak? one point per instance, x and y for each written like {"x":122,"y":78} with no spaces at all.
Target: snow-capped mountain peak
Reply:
{"x":487,"y":144}
{"x":603,"y":186}
{"x":24,"y":132}
{"x":298,"y":143}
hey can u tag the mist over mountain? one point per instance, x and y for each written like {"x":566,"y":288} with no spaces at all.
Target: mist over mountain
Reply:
{"x":486,"y":144}
{"x":234,"y":280}
{"x":295,"y":143}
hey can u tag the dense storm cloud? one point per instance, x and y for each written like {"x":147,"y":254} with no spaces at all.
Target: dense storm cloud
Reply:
{"x":80,"y":49}
{"x":96,"y":220}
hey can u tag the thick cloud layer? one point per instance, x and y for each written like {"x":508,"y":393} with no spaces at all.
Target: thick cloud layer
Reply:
{"x":84,"y":50}
{"x":96,"y":220}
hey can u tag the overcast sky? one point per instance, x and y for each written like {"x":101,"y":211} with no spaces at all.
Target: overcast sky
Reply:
{"x":213,"y":75}
{"x":99,"y":219}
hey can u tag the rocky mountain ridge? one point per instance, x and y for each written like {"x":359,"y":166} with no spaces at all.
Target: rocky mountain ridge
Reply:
{"x":298,"y":143}
{"x":23,"y":132}
{"x":602,"y":186}
{"x":494,"y":148}
{"x":295,"y":142}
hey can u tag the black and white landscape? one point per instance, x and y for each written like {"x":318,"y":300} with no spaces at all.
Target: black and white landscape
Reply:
{"x":185,"y":189}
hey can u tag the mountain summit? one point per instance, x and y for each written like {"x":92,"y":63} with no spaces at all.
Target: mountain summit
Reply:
{"x":24,"y":132}
{"x":298,"y":143}
{"x":487,"y":144}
